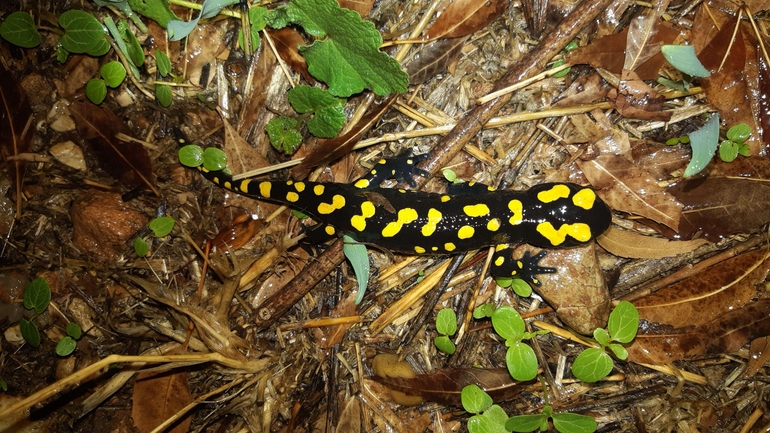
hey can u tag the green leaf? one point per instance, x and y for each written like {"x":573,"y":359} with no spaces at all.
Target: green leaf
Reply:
{"x":178,"y":30}
{"x":298,"y":214}
{"x":739,"y":133}
{"x":29,"y":332}
{"x":327,"y":122}
{"x":122,"y":47}
{"x":349,"y":60}
{"x":672,"y":141}
{"x":19,"y":29}
{"x":679,"y":86}
{"x":329,"y":110}
{"x":474,"y":399}
{"x":525,"y":423}
{"x":451,"y":177}
{"x":284,"y":135}
{"x":113,"y":74}
{"x":483,"y":311}
{"x":683,"y":58}
{"x":619,"y":351}
{"x":496,"y":414}
{"x":592,"y":365}
{"x":96,"y":90}
{"x":359,"y":258}
{"x":61,"y":53}
{"x":140,"y":247}
{"x":214,"y":159}
{"x":133,"y":49}
{"x":508,"y":323}
{"x":446,"y":322}
{"x":561,"y":73}
{"x":37,"y":295}
{"x":503,"y":281}
{"x":521,"y":361}
{"x":744,"y":150}
{"x":704,"y":143}
{"x":278,"y":18}
{"x":3,"y":385}
{"x":485,"y":424}
{"x":191,"y":155}
{"x":82,"y":34}
{"x":74,"y":330}
{"x":163,"y":94}
{"x":65,"y":346}
{"x":573,"y":423}
{"x":444,"y":344}
{"x":156,"y":10}
{"x":162,"y":62}
{"x":602,"y":336}
{"x":258,"y":22}
{"x":161,"y":226}
{"x":624,"y":322}
{"x":521,"y":288}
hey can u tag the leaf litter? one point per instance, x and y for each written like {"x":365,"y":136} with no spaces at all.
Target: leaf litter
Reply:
{"x":287,"y":316}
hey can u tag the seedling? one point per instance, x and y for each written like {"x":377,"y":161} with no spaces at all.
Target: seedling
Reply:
{"x":446,"y":326}
{"x":161,"y":227}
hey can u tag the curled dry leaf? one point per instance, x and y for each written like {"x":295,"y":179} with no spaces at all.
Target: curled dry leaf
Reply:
{"x":464,"y":17}
{"x":624,"y":243}
{"x":727,"y":333}
{"x":706,"y":295}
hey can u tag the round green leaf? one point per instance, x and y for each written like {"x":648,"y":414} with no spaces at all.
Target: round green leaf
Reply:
{"x":19,"y":29}
{"x":113,"y":74}
{"x":592,"y":365}
{"x":502,"y":281}
{"x":683,"y":58}
{"x":444,"y":344}
{"x":739,"y":133}
{"x":82,"y":33}
{"x":214,"y":159}
{"x":619,"y":351}
{"x":162,"y":62}
{"x":65,"y":346}
{"x":573,"y":423}
{"x":624,"y":322}
{"x":521,"y":362}
{"x":451,"y":177}
{"x":525,"y":423}
{"x":96,"y":90}
{"x":163,"y":95}
{"x":191,"y":155}
{"x":508,"y":323}
{"x":37,"y":295}
{"x":521,"y":288}
{"x":140,"y":247}
{"x":161,"y":226}
{"x":74,"y":330}
{"x":728,"y":150}
{"x":446,"y":322}
{"x":29,"y":332}
{"x":474,"y":399}
{"x":602,"y":336}
{"x":484,"y":310}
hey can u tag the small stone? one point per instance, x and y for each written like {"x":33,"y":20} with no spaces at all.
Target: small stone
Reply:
{"x":69,"y":154}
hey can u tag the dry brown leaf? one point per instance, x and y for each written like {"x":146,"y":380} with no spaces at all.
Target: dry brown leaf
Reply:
{"x":433,"y":59}
{"x":464,"y":17}
{"x":636,"y":100}
{"x":361,"y":6}
{"x":759,"y":355}
{"x":350,"y":417}
{"x":287,"y":42}
{"x":707,"y":295}
{"x":624,"y":243}
{"x":158,"y":396}
{"x":641,"y":32}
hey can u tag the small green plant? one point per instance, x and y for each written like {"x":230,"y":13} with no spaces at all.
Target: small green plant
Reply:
{"x":68,"y":344}
{"x":446,"y":326}
{"x":519,"y":286}
{"x":736,"y":143}
{"x":594,"y":363}
{"x":572,"y":46}
{"x":19,"y":29}
{"x":563,"y":422}
{"x":3,"y":385}
{"x":113,"y":74}
{"x":161,"y":227}
{"x":36,"y":297}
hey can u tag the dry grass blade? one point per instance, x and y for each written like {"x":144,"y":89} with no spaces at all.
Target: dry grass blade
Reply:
{"x":15,"y":131}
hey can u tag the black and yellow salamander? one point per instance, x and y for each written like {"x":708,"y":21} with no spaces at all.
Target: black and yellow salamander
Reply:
{"x":551,"y":215}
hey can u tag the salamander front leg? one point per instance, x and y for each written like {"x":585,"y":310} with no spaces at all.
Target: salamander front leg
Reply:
{"x":526,"y":268}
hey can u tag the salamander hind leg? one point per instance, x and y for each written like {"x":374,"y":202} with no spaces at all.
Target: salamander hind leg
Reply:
{"x":526,"y":267}
{"x":402,"y":168}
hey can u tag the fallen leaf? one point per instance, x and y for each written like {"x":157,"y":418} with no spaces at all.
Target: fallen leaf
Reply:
{"x":624,"y":243}
{"x":287,"y":42}
{"x":727,"y":333}
{"x":759,"y":355}
{"x":634,"y":99}
{"x":15,"y":128}
{"x":361,"y":6}
{"x":706,"y":295}
{"x":127,"y":162}
{"x":433,"y":59}
{"x":464,"y":17}
{"x":157,"y":396}
{"x":640,"y":46}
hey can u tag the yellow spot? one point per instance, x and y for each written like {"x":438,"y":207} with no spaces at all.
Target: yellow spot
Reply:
{"x":444,"y":198}
{"x":405,"y":216}
{"x":499,"y":261}
{"x":338,"y":202}
{"x":373,"y":172}
{"x":319,"y":189}
{"x":299,"y":186}
{"x":290,"y":182}
{"x":434,"y":217}
{"x":361,"y":183}
{"x":216,"y":180}
{"x":500,"y":247}
{"x":578,"y":231}
{"x":584,"y":198}
{"x":476,"y":210}
{"x":382,"y":161}
{"x":228,"y":185}
{"x":419,"y":250}
{"x":292,"y":196}
{"x":359,"y":221}
{"x":465,"y":232}
{"x":264,"y":189}
{"x":244,"y":186}
{"x":516,"y":207}
{"x":203,"y":169}
{"x":434,"y":248}
{"x":553,"y":194}
{"x":402,"y":190}
{"x":491,"y":188}
{"x":330,"y":230}
{"x":493,"y":225}
{"x":449,"y":246}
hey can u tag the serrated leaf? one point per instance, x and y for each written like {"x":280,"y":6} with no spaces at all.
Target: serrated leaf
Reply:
{"x":359,"y":259}
{"x":525,"y":423}
{"x":162,"y":62}
{"x":214,"y":159}
{"x":573,"y":423}
{"x":178,"y":30}
{"x":592,"y":365}
{"x":283,"y":134}
{"x":683,"y":58}
{"x":82,"y":33}
{"x":113,"y":74}
{"x":161,"y":226}
{"x":140,"y":247}
{"x":37,"y":295}
{"x":624,"y":322}
{"x":444,"y":344}
{"x":65,"y":346}
{"x":96,"y":90}
{"x":508,"y":323}
{"x":163,"y":95}
{"x":446,"y":322}
{"x":474,"y":399}
{"x":74,"y":330}
{"x":521,"y":361}
{"x":349,"y":60}
{"x":191,"y":155}
{"x":29,"y":332}
{"x":19,"y":29}
{"x":704,"y":143}
{"x":306,"y":99}
{"x":327,"y":122}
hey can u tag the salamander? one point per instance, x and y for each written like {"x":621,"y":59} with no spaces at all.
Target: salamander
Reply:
{"x":550,"y":215}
